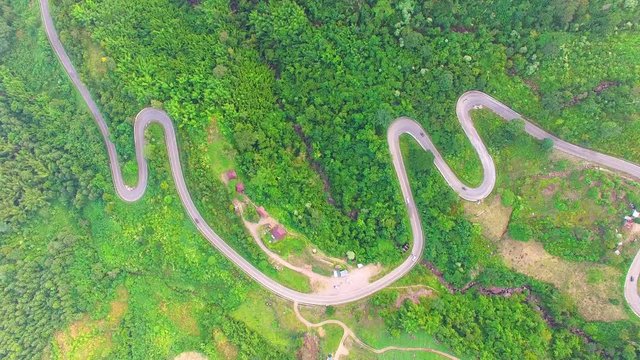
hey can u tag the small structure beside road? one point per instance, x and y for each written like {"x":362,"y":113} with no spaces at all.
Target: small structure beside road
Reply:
{"x":630,"y":219}
{"x":262,"y":212}
{"x":340,"y":273}
{"x":278,"y":232}
{"x":240,"y":188}
{"x":231,"y":174}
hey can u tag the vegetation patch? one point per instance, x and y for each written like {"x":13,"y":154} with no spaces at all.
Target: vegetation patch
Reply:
{"x":182,"y":315}
{"x":330,"y":336}
{"x":413,"y":295}
{"x":88,"y":338}
{"x":223,"y":346}
{"x":271,"y":317}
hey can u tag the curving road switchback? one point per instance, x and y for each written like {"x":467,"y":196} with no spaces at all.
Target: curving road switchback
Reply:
{"x":400,"y":126}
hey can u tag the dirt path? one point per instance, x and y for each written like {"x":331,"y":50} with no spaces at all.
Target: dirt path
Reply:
{"x":320,"y":284}
{"x":348,"y":333}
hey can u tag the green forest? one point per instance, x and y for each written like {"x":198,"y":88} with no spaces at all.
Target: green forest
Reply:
{"x":296,"y":96}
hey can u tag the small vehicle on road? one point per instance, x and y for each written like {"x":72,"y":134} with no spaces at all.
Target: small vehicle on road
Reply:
{"x":414,"y":258}
{"x":632,"y":278}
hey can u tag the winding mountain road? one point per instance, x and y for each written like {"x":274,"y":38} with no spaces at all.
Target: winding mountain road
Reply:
{"x":400,"y":126}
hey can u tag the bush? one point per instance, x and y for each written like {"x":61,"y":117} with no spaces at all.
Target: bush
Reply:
{"x":519,"y":231}
{"x":250,"y":214}
{"x":508,"y":197}
{"x":329,"y":310}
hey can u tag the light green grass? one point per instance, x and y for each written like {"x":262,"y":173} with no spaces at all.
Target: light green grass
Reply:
{"x":271,"y":317}
{"x":291,"y":279}
{"x":290,"y":245}
{"x":331,"y":340}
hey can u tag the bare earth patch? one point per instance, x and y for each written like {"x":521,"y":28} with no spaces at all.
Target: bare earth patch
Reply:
{"x":592,"y":299}
{"x":549,"y":190}
{"x":491,"y":214}
{"x":310,"y":347}
{"x":413,"y":295}
{"x":191,"y":355}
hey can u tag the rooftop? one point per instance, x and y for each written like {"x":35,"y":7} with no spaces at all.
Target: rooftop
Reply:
{"x":278,"y":232}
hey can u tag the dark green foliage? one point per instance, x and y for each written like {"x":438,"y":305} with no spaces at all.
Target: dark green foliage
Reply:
{"x":304,"y":91}
{"x":330,"y":310}
{"x":452,"y":243}
{"x":487,"y":327}
{"x":48,"y":275}
{"x":547,"y":145}
{"x":507,"y":197}
{"x":519,"y":230}
{"x":43,"y":156}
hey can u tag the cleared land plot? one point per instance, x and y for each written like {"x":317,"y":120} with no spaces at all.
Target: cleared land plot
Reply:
{"x":597,"y":295}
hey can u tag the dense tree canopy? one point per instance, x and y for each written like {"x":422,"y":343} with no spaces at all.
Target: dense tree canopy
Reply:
{"x":299,"y":94}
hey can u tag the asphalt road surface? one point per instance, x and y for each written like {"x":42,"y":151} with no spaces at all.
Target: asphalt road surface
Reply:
{"x":400,"y":126}
{"x":631,"y":287}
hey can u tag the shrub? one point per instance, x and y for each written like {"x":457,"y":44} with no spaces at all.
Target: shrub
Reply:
{"x":508,"y":197}
{"x":519,"y":231}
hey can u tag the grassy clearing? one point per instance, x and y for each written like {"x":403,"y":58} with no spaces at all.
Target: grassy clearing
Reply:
{"x":220,"y":153}
{"x":286,"y":277}
{"x":271,"y":317}
{"x":330,"y":336}
{"x":291,"y":245}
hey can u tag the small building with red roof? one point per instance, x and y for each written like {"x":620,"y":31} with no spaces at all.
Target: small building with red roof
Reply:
{"x":278,"y":232}
{"x":231,"y":174}
{"x":262,"y":212}
{"x":240,"y":188}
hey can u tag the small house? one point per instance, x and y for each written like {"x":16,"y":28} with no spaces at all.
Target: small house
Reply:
{"x":635,"y":213}
{"x":278,"y":232}
{"x":344,"y":273}
{"x":231,"y":174}
{"x":240,"y":188}
{"x":262,"y":212}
